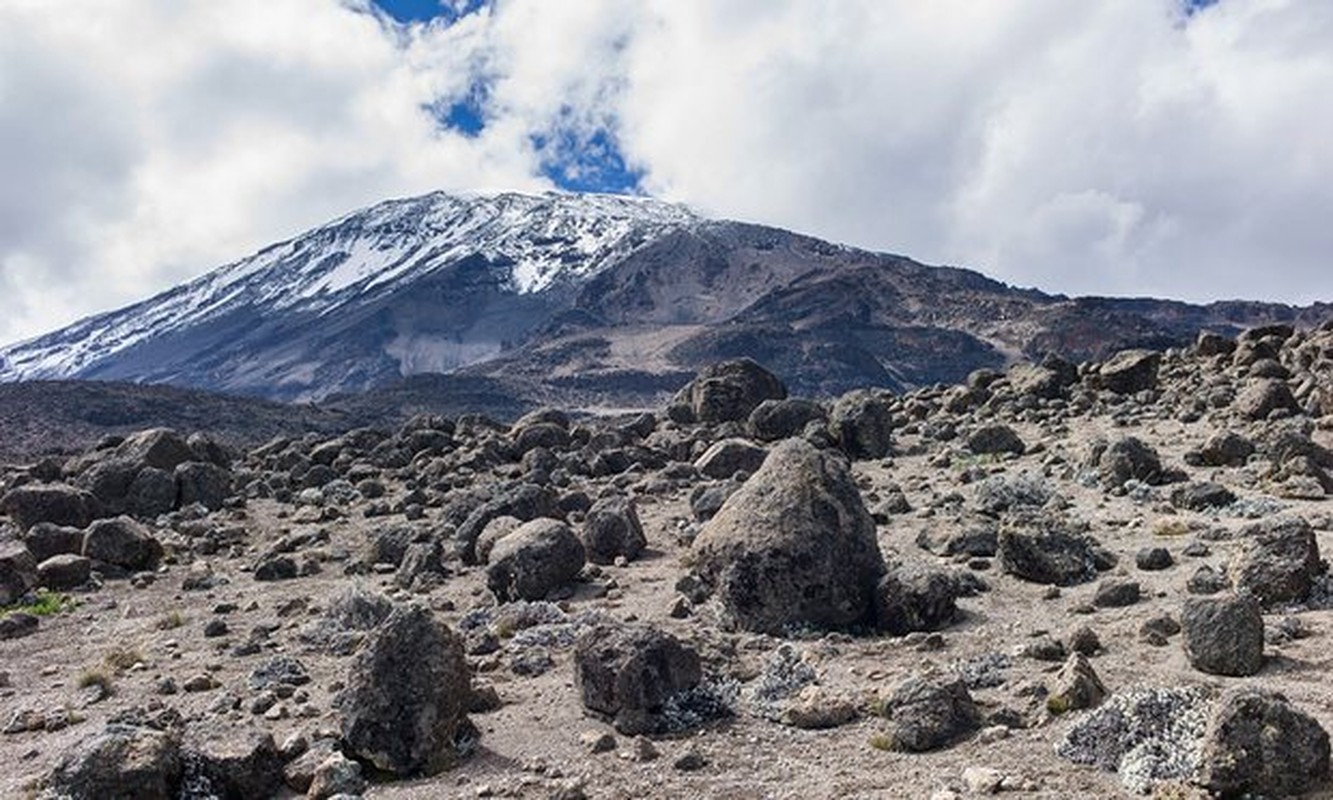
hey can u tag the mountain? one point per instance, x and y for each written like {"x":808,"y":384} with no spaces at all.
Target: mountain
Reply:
{"x":587,"y":299}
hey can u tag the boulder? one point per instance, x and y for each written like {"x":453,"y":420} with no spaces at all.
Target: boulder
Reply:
{"x":525,"y":501}
{"x":995,"y":440}
{"x":726,"y":392}
{"x":928,"y":713}
{"x":46,"y":539}
{"x":861,"y":423}
{"x":1226,"y":449}
{"x":1130,"y":371}
{"x":1047,"y":556}
{"x":1224,"y":635}
{"x":403,"y":708}
{"x":231,"y":763}
{"x":122,"y":542}
{"x":56,"y":503}
{"x":915,"y":597}
{"x":729,"y":456}
{"x":774,"y":420}
{"x":18,"y":571}
{"x":628,"y":672}
{"x":494,"y":531}
{"x":539,"y":557}
{"x":1035,"y":380}
{"x":1076,"y":686}
{"x":1262,"y":396}
{"x":794,"y":546}
{"x":203,"y":483}
{"x":123,"y":762}
{"x":1278,"y":563}
{"x":1257,"y":745}
{"x":64,"y":571}
{"x":1129,"y":458}
{"x":152,"y":492}
{"x":612,"y":530}
{"x":1201,"y":496}
{"x":1210,"y":344}
{"x":161,"y":448}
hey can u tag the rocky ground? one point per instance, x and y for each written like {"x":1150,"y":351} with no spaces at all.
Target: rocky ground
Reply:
{"x":1061,"y":581}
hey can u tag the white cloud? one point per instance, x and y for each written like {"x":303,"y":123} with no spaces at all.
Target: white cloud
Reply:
{"x":1109,"y":146}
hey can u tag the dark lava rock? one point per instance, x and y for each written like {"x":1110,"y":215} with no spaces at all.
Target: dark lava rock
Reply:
{"x":404,"y":706}
{"x":275,"y":567}
{"x":793,"y":546}
{"x":612,"y":529}
{"x":122,"y":542}
{"x":231,"y":764}
{"x":123,"y":762}
{"x":1226,"y":449}
{"x":1201,"y":496}
{"x":915,"y":597}
{"x":628,"y":672}
{"x":706,"y":499}
{"x":1048,"y":556}
{"x":539,"y":557}
{"x":862,"y":424}
{"x":160,"y":448}
{"x":1279,"y":562}
{"x":930,"y":713}
{"x":729,"y":456}
{"x":995,"y":439}
{"x":18,"y":571}
{"x":1257,"y":745}
{"x":525,"y":502}
{"x":1128,"y":459}
{"x":66,"y":571}
{"x":53,"y":502}
{"x":1153,"y":559}
{"x":1130,"y":371}
{"x":45,"y":540}
{"x":204,"y":483}
{"x":773,"y":420}
{"x":1117,"y":594}
{"x":726,"y":392}
{"x":1224,"y":635}
{"x":1262,"y":396}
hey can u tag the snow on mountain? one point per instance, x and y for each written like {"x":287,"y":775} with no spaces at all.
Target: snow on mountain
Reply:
{"x":541,"y":240}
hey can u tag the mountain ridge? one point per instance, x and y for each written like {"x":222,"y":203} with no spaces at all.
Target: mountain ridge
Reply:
{"x":594,"y":297}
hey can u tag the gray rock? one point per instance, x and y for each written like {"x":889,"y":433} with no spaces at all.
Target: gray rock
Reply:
{"x":1117,"y":593}
{"x":122,"y":762}
{"x":404,"y":705}
{"x":794,"y":546}
{"x":18,"y":571}
{"x":1257,"y":745}
{"x":66,"y":571}
{"x":525,"y":502}
{"x":1130,"y":371}
{"x":1226,"y":449}
{"x":1224,"y":635}
{"x":915,"y":597}
{"x":930,"y":713}
{"x":1201,"y":496}
{"x":231,"y":763}
{"x":336,"y":776}
{"x":204,"y":483}
{"x":1210,"y":344}
{"x":726,"y":392}
{"x":1128,"y":459}
{"x":1262,"y":396}
{"x":995,"y":439}
{"x":629,"y":672}
{"x":1279,"y":562}
{"x":539,"y":557}
{"x":706,"y":499}
{"x":421,"y":566}
{"x":729,"y":456}
{"x":773,"y":420}
{"x":123,"y":542}
{"x":46,"y":539}
{"x":56,"y":503}
{"x":152,"y":492}
{"x":494,"y":531}
{"x":861,"y":423}
{"x":160,"y":448}
{"x":1153,"y":559}
{"x":1047,"y":556}
{"x":612,"y":530}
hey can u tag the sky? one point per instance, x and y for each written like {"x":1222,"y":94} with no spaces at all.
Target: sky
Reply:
{"x":1175,"y":148}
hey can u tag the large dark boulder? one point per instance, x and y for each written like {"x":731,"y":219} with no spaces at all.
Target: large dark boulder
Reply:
{"x":773,"y":420}
{"x":612,"y":530}
{"x":1130,"y":371}
{"x":161,"y":448}
{"x":1223,"y":635}
{"x":204,"y":483}
{"x":122,"y":542}
{"x":123,"y":762}
{"x":52,"y":502}
{"x":405,"y":702}
{"x":1262,"y":396}
{"x":928,"y":713}
{"x":861,"y":422}
{"x":1126,"y":459}
{"x":1257,"y":745}
{"x":1278,"y":563}
{"x":233,"y":764}
{"x":18,"y":571}
{"x":729,"y":456}
{"x":539,"y":557}
{"x":628,"y":672}
{"x":726,"y":392}
{"x":1048,"y":555}
{"x":794,"y":546}
{"x":915,"y":597}
{"x":525,"y":501}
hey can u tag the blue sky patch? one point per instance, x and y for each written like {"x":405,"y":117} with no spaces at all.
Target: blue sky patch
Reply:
{"x":425,"y":10}
{"x":591,"y":163}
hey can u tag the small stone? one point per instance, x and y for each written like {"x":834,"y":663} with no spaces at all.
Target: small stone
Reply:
{"x":982,"y":780}
{"x":643,"y":749}
{"x":691,"y":761}
{"x":1116,"y":594}
{"x":598,"y":741}
{"x":1084,"y":640}
{"x":214,"y":628}
{"x":202,"y":682}
{"x":1152,"y":559}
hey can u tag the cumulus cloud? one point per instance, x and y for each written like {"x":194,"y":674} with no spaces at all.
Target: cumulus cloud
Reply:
{"x":1094,"y":147}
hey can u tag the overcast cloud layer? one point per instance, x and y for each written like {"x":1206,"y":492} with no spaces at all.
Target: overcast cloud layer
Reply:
{"x":1099,"y":146}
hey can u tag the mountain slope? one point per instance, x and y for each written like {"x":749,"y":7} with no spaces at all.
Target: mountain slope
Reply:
{"x":588,"y":299}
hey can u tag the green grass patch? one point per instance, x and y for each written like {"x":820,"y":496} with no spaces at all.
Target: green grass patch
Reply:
{"x":46,"y":604}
